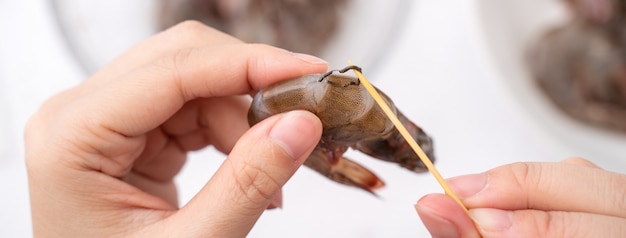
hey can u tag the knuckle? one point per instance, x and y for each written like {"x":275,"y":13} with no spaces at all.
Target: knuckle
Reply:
{"x":554,"y":224}
{"x":189,"y":28}
{"x":174,"y":67}
{"x":255,"y":184}
{"x":258,"y":64}
{"x":38,"y":127}
{"x":546,"y":224}
{"x":527,"y":177}
{"x":197,"y":34}
{"x":178,"y":60}
{"x":580,"y":161}
{"x":521,"y":172}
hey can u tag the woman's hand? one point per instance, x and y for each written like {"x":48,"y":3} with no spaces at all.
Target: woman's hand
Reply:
{"x":573,"y":198}
{"x":101,"y":157}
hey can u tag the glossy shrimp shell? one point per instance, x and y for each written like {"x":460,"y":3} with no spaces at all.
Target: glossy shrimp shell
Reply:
{"x":351,"y":119}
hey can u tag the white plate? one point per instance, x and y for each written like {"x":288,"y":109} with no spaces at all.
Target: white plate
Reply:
{"x":509,"y":27}
{"x":98,"y":31}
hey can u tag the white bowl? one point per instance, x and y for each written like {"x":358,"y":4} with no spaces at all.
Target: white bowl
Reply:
{"x":509,"y":27}
{"x":98,"y":31}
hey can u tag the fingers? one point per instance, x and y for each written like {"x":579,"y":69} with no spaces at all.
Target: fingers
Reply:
{"x":148,"y":96}
{"x":186,"y":35}
{"x":444,"y":218}
{"x":251,"y":177}
{"x":573,"y":198}
{"x":533,"y":223}
{"x":212,"y":121}
{"x":151,"y":83}
{"x":121,"y":112}
{"x":545,"y":186}
{"x":196,"y":125}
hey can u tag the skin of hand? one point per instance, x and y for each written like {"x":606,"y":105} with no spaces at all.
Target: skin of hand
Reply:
{"x":571,"y":198}
{"x":101,"y":157}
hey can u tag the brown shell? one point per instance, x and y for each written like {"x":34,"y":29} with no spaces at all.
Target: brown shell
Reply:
{"x":350,"y":118}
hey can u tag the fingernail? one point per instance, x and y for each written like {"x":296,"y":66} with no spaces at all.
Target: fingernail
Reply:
{"x":309,"y":58}
{"x":467,"y":185}
{"x":437,"y":226}
{"x":490,"y":219}
{"x":290,"y":132}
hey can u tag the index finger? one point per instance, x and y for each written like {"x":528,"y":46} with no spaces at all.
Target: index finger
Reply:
{"x":149,"y":95}
{"x":545,"y":186}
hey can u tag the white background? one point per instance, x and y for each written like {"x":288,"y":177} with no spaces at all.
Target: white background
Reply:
{"x":438,"y":71}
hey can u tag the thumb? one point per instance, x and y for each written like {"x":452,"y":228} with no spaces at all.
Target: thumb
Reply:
{"x":261,"y":162}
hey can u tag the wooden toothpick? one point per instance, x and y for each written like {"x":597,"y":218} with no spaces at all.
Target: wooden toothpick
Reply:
{"x":407,"y":136}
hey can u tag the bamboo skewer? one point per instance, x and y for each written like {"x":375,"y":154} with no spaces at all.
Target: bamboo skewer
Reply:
{"x":407,"y":136}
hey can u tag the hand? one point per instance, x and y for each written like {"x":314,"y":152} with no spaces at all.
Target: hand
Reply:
{"x":573,"y":198}
{"x":101,"y":157}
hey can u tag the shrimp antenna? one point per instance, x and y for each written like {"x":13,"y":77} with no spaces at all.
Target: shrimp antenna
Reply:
{"x":349,"y":67}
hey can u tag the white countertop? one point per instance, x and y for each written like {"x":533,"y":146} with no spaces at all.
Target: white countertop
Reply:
{"x":438,"y":72}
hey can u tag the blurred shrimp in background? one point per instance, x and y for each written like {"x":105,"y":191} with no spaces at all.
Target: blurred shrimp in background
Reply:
{"x":296,"y":25}
{"x":562,"y":63}
{"x":97,"y":32}
{"x":581,"y":64}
